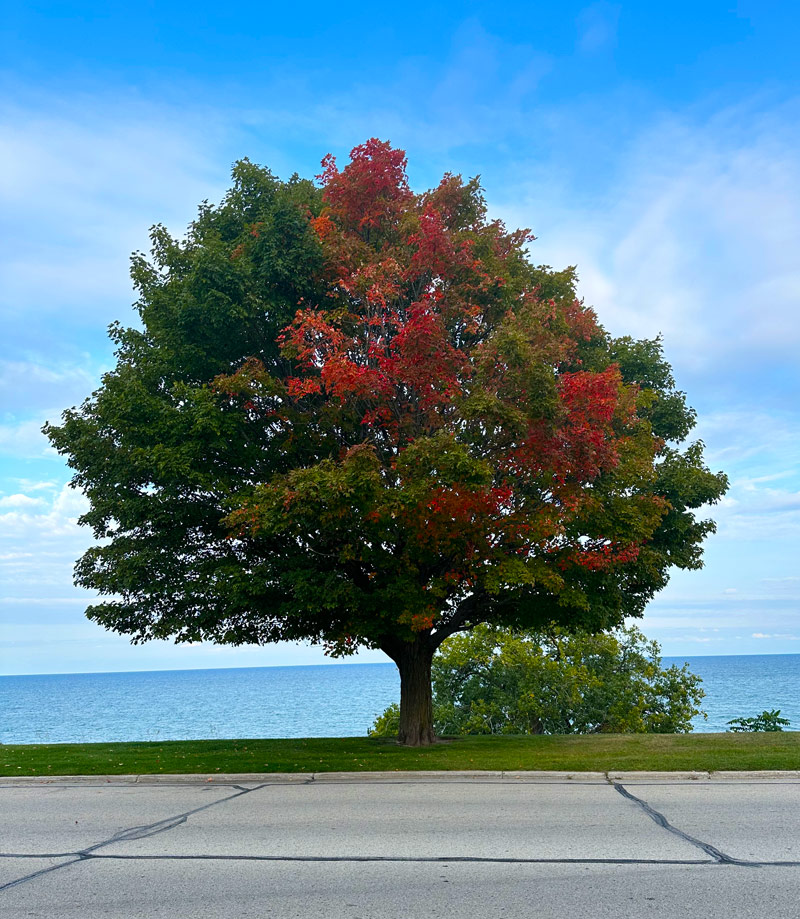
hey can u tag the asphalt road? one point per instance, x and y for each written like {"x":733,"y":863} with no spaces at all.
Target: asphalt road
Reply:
{"x":401,"y":846}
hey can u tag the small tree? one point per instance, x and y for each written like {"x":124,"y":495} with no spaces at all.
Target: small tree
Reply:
{"x":497,"y":681}
{"x":361,"y":416}
{"x":766,"y":721}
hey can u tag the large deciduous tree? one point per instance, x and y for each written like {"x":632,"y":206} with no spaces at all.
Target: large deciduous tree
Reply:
{"x":361,"y":416}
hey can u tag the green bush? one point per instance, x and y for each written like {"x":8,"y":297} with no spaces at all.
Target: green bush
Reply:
{"x":387,"y":724}
{"x":766,"y":721}
{"x":495,"y":681}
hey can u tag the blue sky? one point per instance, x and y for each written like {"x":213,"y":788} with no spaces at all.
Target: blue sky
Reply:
{"x":653,"y":145}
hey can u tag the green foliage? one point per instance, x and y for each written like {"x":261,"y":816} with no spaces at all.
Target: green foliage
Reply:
{"x":387,"y":723}
{"x":493,"y":681}
{"x":766,"y":721}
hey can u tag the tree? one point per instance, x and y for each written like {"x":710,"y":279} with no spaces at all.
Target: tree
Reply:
{"x":768,"y":720}
{"x":498,"y":681}
{"x":361,"y":416}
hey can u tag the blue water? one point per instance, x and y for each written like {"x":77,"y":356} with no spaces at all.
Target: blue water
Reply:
{"x":322,"y":701}
{"x":334,"y":700}
{"x":743,"y":685}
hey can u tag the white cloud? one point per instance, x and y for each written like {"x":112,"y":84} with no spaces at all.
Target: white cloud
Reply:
{"x":784,"y":636}
{"x":40,"y":541}
{"x":57,"y":520}
{"x":35,"y":485}
{"x":24,"y":501}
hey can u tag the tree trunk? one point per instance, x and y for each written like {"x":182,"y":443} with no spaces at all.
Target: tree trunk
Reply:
{"x":413,"y":660}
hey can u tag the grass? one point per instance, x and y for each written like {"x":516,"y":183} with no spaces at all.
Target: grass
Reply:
{"x":598,"y":752}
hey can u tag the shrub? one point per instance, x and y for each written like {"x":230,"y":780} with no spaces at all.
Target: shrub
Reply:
{"x":766,"y":721}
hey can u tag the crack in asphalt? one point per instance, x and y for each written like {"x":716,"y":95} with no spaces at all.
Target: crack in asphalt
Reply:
{"x":720,"y":857}
{"x":135,"y":832}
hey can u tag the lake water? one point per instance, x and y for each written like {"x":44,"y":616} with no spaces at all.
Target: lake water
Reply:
{"x":319,"y":701}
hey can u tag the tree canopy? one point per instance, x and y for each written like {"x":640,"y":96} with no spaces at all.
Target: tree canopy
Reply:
{"x":363,"y":416}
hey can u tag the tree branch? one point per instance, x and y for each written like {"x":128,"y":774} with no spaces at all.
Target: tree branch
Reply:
{"x":463,"y":619}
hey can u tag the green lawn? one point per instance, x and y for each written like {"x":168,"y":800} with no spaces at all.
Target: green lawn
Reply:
{"x":599,"y":752}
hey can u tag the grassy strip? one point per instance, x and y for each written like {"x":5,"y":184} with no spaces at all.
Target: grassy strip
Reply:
{"x":599,"y":752}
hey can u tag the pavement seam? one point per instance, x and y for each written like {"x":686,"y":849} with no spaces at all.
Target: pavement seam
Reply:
{"x":469,"y":859}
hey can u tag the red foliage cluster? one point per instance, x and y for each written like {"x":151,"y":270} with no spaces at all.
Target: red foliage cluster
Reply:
{"x":372,"y":190}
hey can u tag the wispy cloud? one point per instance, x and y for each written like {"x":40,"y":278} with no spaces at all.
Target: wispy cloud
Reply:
{"x":20,"y":501}
{"x":695,"y":237}
{"x":24,"y":439}
{"x":81,"y":180}
{"x":597,"y":26}
{"x":27,"y":385}
{"x":40,"y":541}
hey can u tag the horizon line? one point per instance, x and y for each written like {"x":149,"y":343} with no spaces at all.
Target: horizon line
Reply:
{"x":338,"y":664}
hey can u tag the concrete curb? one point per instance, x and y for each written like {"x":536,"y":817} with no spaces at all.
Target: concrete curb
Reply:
{"x":650,"y":776}
{"x":472,"y":776}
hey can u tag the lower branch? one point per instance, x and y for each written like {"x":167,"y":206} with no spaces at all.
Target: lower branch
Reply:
{"x":465,"y":618}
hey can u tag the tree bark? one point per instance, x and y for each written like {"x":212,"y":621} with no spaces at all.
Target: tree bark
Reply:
{"x":413,"y":660}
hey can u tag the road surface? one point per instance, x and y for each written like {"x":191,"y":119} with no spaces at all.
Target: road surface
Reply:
{"x":401,"y":846}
